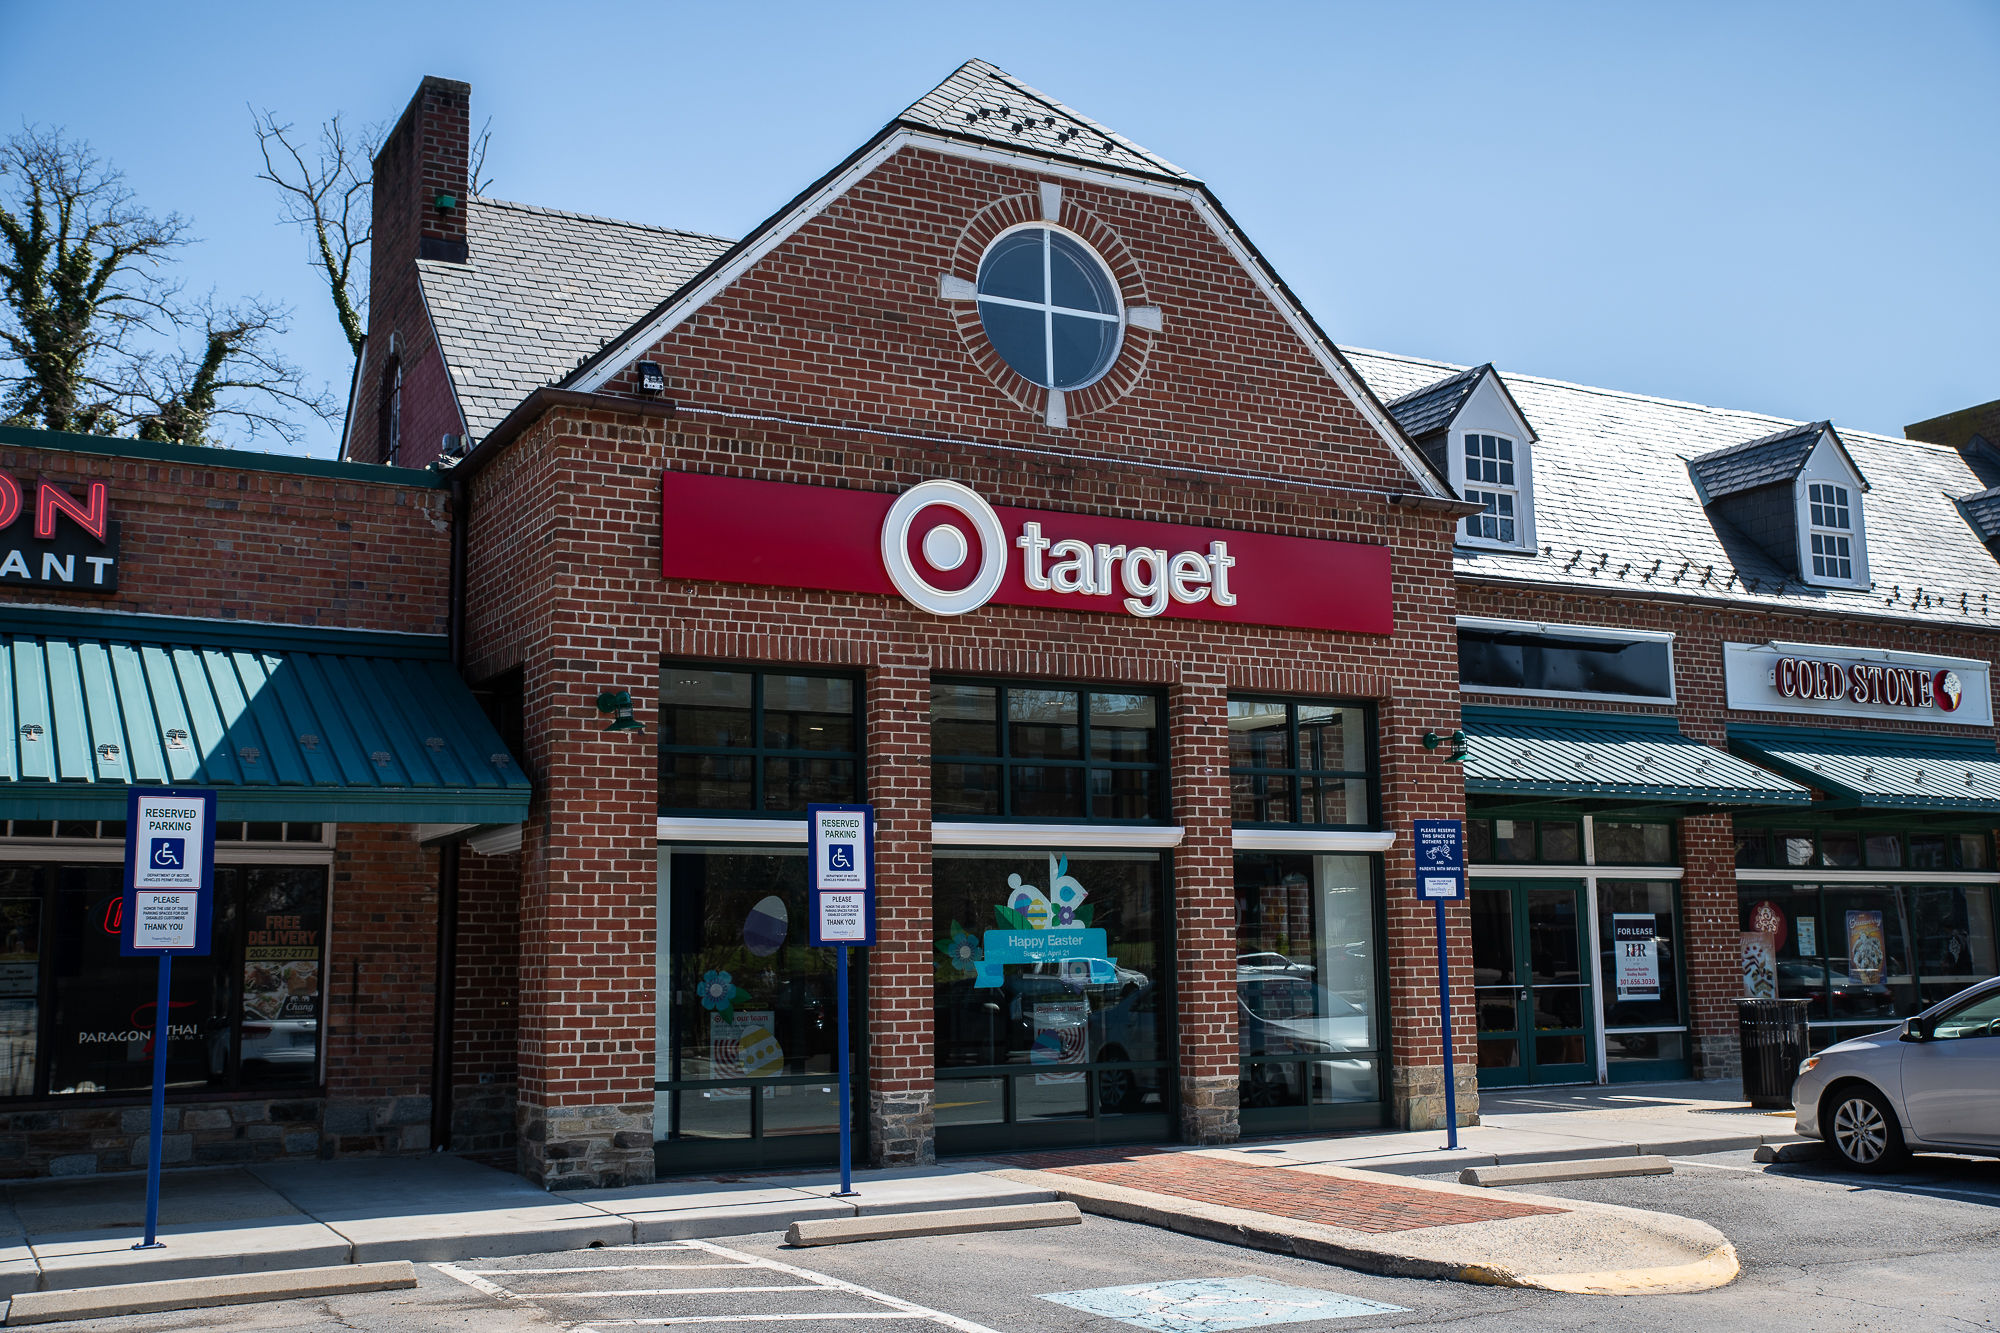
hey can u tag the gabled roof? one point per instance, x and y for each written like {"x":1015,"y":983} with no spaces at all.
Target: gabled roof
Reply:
{"x":1982,"y":511}
{"x":1432,"y":407}
{"x":1426,"y":411}
{"x":987,"y":105}
{"x":1777,"y":457}
{"x":1616,"y":509}
{"x":539,"y":291}
{"x":1091,"y":151}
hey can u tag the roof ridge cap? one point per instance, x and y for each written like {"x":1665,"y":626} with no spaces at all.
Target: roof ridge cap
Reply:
{"x":597,"y":217}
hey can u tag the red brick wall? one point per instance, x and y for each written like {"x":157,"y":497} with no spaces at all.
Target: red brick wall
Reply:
{"x":383,"y":955}
{"x":231,"y":540}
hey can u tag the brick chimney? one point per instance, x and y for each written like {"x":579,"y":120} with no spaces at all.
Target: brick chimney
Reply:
{"x":402,"y":406}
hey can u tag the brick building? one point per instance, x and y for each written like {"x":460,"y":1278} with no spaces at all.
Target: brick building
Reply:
{"x":274,"y":629}
{"x":1728,"y":700}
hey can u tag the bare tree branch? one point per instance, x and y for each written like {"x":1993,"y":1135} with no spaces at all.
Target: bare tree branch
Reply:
{"x":328,"y":196}
{"x":477,"y":177}
{"x":234,"y":372}
{"x":79,"y":273}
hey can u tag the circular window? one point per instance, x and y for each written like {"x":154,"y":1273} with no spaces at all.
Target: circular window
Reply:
{"x":1049,"y":307}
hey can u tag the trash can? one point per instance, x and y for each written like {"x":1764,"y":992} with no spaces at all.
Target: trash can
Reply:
{"x":1773,"y":1035}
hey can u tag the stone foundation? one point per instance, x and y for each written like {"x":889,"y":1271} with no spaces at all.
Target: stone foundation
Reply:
{"x":86,"y":1140}
{"x":585,"y":1147}
{"x":902,"y":1130}
{"x":1210,"y":1109}
{"x":1416,"y":1096}
{"x":482,"y":1118}
{"x":1717,"y":1055}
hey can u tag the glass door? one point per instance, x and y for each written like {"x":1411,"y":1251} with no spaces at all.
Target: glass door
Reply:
{"x":1530,"y":985}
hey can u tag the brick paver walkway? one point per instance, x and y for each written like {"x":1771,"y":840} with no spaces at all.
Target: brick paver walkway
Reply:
{"x":1287,"y":1192}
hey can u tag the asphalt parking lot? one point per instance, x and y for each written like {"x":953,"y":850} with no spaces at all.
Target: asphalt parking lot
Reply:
{"x":1821,"y":1250}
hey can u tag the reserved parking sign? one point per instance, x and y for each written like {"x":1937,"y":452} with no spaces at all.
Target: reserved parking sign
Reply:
{"x":169,"y":871}
{"x":840,"y":847}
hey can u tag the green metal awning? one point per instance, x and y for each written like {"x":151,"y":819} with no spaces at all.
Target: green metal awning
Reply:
{"x":1873,"y":770}
{"x":1608,"y":760}
{"x":284,"y":723}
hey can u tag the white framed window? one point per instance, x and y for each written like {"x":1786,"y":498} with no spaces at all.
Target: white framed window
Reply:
{"x":1490,"y":481}
{"x":1830,"y":531}
{"x":1050,"y":307}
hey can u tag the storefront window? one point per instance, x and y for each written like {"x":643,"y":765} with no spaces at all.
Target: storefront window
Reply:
{"x":77,"y":1018}
{"x":1638,"y":947}
{"x":1526,"y":841}
{"x":1846,"y":849}
{"x":1624,"y":843}
{"x":1865,"y":954}
{"x":1051,"y":988}
{"x":1297,"y":762}
{"x":747,"y":1011}
{"x":736,"y":739}
{"x":1043,"y":752}
{"x":1307,"y":1016}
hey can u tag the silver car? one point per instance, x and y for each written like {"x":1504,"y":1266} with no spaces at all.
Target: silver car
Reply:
{"x":1932,"y":1084}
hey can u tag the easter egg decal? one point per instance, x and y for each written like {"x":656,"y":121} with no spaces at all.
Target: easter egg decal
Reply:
{"x":764,"y":929}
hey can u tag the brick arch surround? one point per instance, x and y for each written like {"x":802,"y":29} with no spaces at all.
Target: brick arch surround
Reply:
{"x":1012,"y":211}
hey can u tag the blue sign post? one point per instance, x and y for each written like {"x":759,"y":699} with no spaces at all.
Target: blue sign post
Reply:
{"x":840,"y":884}
{"x":1440,"y":848}
{"x":168,"y":903}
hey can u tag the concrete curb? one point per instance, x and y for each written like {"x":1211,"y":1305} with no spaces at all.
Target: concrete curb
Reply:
{"x":1364,"y":1253}
{"x":1439,"y":1162}
{"x":1589,"y":1168}
{"x":196,"y":1293}
{"x":937,"y":1222}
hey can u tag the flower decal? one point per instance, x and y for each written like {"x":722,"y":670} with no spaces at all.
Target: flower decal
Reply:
{"x":962,"y":951}
{"x":719,"y":992}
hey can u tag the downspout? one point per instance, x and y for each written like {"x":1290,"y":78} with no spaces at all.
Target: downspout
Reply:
{"x":445,"y":1005}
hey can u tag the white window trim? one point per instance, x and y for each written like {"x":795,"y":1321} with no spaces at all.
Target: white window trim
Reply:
{"x":1116,"y":319}
{"x":1577,"y":632}
{"x":944,"y":833}
{"x":1520,"y":490}
{"x":1825,"y":466}
{"x":1310,"y":840}
{"x":1884,"y":878}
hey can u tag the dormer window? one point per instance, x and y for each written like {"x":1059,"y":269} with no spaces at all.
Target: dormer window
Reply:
{"x":1831,"y":532}
{"x":1489,"y":480}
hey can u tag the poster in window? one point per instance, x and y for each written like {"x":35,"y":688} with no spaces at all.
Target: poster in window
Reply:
{"x":1760,"y":965}
{"x":1867,"y":954}
{"x":1636,"y":956}
{"x":743,"y":1045}
{"x":20,"y":948}
{"x":1767,"y":918}
{"x":281,"y":964}
{"x":1061,"y":1038}
{"x":1808,"y":933}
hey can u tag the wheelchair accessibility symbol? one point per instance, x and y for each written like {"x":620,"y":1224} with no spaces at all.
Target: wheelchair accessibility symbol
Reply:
{"x":170,"y":853}
{"x":840,"y":856}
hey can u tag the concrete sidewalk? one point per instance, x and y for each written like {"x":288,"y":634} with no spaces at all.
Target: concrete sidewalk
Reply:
{"x":72,"y":1233}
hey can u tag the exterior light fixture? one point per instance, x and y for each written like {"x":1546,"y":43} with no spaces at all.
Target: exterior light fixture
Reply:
{"x":619,"y":702}
{"x":1457,"y":738}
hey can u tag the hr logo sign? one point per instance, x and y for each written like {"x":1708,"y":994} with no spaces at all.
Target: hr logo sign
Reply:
{"x":951,"y":518}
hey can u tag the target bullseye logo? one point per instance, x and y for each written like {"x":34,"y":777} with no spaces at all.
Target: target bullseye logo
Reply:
{"x":944,"y":546}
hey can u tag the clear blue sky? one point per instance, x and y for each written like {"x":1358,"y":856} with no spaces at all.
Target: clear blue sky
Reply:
{"x":1792,"y":208}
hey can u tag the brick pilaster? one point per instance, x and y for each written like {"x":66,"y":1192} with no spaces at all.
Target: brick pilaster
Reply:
{"x":900,"y":1052}
{"x":1204,"y":908}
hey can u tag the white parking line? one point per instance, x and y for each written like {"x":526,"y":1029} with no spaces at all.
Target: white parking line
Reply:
{"x":1853,"y":1186}
{"x":894,"y":1307}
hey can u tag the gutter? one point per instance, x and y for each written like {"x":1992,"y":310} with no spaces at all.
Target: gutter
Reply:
{"x":530,"y":410}
{"x":444,"y":1004}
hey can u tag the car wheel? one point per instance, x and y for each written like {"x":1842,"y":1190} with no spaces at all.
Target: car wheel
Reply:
{"x":1117,"y":1089}
{"x":1863,"y":1131}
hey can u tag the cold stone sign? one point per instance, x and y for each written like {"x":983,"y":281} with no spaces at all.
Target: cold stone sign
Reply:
{"x":1853,"y":682}
{"x":63,"y":543}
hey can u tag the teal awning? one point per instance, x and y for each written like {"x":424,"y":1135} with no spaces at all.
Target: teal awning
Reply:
{"x":1609,"y":759}
{"x":284,"y":723}
{"x":1873,"y":770}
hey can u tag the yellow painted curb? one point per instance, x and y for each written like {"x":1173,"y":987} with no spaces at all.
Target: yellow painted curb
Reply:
{"x":1718,"y":1268}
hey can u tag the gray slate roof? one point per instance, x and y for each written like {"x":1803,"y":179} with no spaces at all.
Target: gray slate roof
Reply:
{"x":1774,"y":458}
{"x":1616,"y":509}
{"x":1431,"y":408}
{"x":984,"y":103}
{"x":542,"y":288}
{"x":1983,"y":512}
